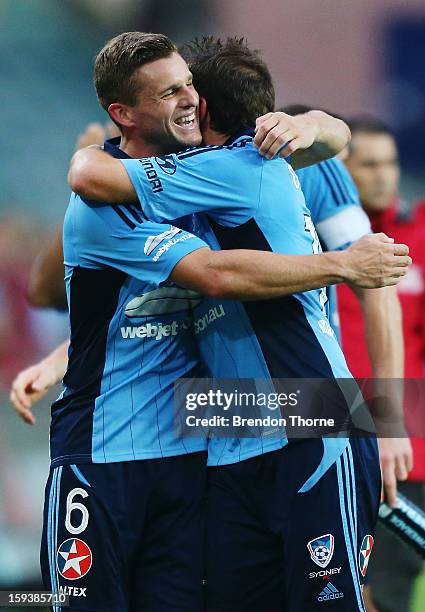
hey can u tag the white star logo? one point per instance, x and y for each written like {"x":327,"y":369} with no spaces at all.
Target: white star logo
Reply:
{"x":74,"y":562}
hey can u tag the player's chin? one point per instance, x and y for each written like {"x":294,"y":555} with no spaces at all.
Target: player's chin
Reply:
{"x":188,"y":137}
{"x":379,"y":204}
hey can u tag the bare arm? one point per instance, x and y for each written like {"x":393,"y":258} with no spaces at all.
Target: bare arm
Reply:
{"x":46,"y":287}
{"x":253,"y":275}
{"x":309,"y":138}
{"x":95,"y":175}
{"x":98,"y":176}
{"x":384,"y":338}
{"x":248,"y":275}
{"x":384,"y":333}
{"x":239,"y":275}
{"x":32,"y":384}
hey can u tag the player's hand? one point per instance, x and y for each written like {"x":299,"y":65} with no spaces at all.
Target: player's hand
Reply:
{"x":396,"y":458}
{"x":112,"y":130}
{"x":30,"y":386}
{"x":376,"y":261}
{"x":96,"y":134}
{"x":367,"y":598}
{"x":279,"y":133}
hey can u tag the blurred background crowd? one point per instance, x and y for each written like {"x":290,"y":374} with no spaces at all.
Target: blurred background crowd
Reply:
{"x":349,"y":58}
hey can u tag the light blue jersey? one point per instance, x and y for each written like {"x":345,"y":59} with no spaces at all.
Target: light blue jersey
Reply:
{"x":247,"y":202}
{"x":131,"y":337}
{"x":334,"y":203}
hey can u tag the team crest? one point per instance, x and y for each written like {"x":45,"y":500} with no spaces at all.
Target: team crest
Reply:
{"x":74,"y":559}
{"x":321,"y":549}
{"x":364,"y":554}
{"x":166,"y":163}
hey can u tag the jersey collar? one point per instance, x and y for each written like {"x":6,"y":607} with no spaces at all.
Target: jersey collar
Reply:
{"x":246,"y":131}
{"x":112,"y":147}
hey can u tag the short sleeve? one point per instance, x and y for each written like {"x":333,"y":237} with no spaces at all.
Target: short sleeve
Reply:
{"x":334,"y":203}
{"x":111,"y":236}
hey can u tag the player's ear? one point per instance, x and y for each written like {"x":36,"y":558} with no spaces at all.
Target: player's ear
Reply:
{"x":121,"y":114}
{"x":203,"y":113}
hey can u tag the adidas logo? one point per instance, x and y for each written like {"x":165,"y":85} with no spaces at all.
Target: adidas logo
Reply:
{"x":330,"y":592}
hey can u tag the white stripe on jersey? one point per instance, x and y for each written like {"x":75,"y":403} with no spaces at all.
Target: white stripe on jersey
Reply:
{"x":345,"y":227}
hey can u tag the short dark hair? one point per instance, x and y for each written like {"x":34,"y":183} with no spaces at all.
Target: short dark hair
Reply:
{"x":233,"y":79}
{"x":295,"y":109}
{"x":367,"y":124}
{"x":116,"y":63}
{"x":300,"y":109}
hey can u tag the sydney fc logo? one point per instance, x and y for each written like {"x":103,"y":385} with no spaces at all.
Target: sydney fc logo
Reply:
{"x":166,"y":163}
{"x":321,"y":549}
{"x":74,"y":559}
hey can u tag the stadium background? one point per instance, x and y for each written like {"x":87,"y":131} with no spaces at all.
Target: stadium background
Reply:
{"x":347,"y":57}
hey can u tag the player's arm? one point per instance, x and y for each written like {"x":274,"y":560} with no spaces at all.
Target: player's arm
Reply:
{"x":373,"y":262}
{"x":46,"y":287}
{"x":254,"y":275}
{"x":208,"y":182}
{"x":95,"y":175}
{"x":242,"y":274}
{"x":384,"y":339}
{"x":308,"y":138}
{"x":159,"y":252}
{"x":384,"y":334}
{"x":33,"y":383}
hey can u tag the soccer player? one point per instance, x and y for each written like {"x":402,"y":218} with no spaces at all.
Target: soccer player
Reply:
{"x":261,"y":552}
{"x":373,"y":163}
{"x":125,"y":496}
{"x":339,"y":218}
{"x":333,"y":201}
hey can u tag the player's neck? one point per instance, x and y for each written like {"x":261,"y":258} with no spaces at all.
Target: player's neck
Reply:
{"x":211,"y":137}
{"x":137,"y":147}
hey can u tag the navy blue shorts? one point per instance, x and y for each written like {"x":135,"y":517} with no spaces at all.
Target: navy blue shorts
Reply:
{"x":127,"y":536}
{"x":271,"y":548}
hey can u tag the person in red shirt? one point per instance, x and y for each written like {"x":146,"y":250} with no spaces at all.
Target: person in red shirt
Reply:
{"x":374,"y":166}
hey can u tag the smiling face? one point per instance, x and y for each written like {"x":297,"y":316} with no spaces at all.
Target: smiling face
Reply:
{"x":166,"y":112}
